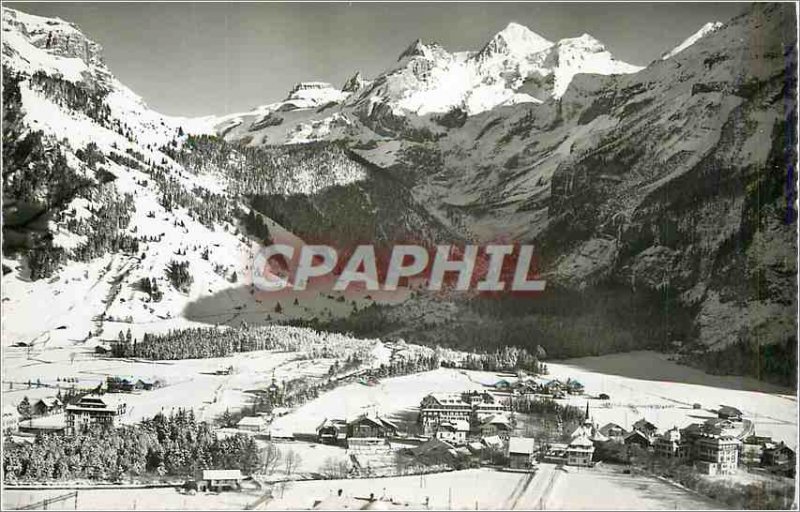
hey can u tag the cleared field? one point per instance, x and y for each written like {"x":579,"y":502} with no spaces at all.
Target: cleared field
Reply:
{"x":607,"y":488}
{"x":549,"y":488}
{"x":389,"y":396}
{"x":131,"y":499}
{"x":189,"y":383}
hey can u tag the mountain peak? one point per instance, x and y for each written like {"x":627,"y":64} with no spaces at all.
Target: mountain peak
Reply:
{"x":516,"y":39}
{"x":354,"y":83}
{"x":711,"y":26}
{"x":584,"y":42}
{"x":415,"y":49}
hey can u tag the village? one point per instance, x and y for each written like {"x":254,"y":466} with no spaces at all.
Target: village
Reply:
{"x":515,"y":423}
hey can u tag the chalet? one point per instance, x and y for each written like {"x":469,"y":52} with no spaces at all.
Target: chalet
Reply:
{"x":434,"y":451}
{"x":727,"y":412}
{"x":216,"y":480}
{"x":499,"y":425}
{"x":670,"y":445}
{"x":102,"y":349}
{"x":47,"y":406}
{"x":493,"y":442}
{"x":573,"y":387}
{"x":11,"y":419}
{"x":252,"y":424}
{"x":332,"y":431}
{"x":276,"y":434}
{"x":553,"y":387}
{"x":613,"y":432}
{"x":719,"y":426}
{"x":93,"y":410}
{"x":580,"y":451}
{"x":779,"y":455}
{"x":369,"y":431}
{"x":520,"y":452}
{"x":369,"y":425}
{"x":475,"y":447}
{"x":129,"y":383}
{"x":453,"y":432}
{"x":556,"y":453}
{"x":526,"y":387}
{"x":638,"y":439}
{"x":646,"y":428}
{"x":438,"y":407}
{"x":753,"y":449}
{"x":502,"y":385}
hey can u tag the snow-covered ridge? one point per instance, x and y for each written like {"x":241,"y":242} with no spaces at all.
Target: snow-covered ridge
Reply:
{"x":429,"y":79}
{"x":314,"y":94}
{"x":711,"y":26}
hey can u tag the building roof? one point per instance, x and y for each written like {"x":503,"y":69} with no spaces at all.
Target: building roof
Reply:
{"x":581,"y":442}
{"x":50,"y":401}
{"x":523,"y":445}
{"x":375,"y":420}
{"x":644,"y":424}
{"x":332,"y":423}
{"x":497,"y":419}
{"x":222,"y":474}
{"x":475,"y":446}
{"x":433,"y":445}
{"x":280,"y":433}
{"x":251,"y":421}
{"x":492,"y":441}
{"x":97,"y":403}
{"x":457,"y":425}
{"x":608,"y":427}
{"x":778,"y":447}
{"x":636,"y":433}
{"x":729,"y":411}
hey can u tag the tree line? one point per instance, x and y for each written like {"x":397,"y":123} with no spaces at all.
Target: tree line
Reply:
{"x":174,"y":445}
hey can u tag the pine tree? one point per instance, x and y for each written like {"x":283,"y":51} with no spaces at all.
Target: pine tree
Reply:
{"x":24,"y":408}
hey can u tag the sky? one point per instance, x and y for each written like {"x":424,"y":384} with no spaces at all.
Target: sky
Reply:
{"x":195,"y":59}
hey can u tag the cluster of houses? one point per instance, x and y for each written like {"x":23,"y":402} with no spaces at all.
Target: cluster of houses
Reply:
{"x":455,"y":416}
{"x":130,"y":384}
{"x":715,"y":446}
{"x":526,"y":385}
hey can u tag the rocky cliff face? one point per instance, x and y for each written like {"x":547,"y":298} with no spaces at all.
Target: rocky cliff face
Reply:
{"x":672,"y":186}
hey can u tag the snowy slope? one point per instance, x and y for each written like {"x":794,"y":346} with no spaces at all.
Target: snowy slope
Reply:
{"x":105,"y":287}
{"x":706,"y":29}
{"x":175,"y":211}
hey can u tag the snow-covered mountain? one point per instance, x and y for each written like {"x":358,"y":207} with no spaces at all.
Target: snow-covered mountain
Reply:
{"x":515,"y":66}
{"x":706,"y":29}
{"x":429,"y":79}
{"x":106,"y":199}
{"x":651,"y":186}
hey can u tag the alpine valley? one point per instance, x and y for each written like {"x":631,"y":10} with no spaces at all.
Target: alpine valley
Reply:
{"x":660,"y":199}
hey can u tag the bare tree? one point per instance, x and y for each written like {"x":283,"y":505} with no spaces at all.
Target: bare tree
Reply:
{"x":291,"y":462}
{"x":270,"y":459}
{"x":335,"y":468}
